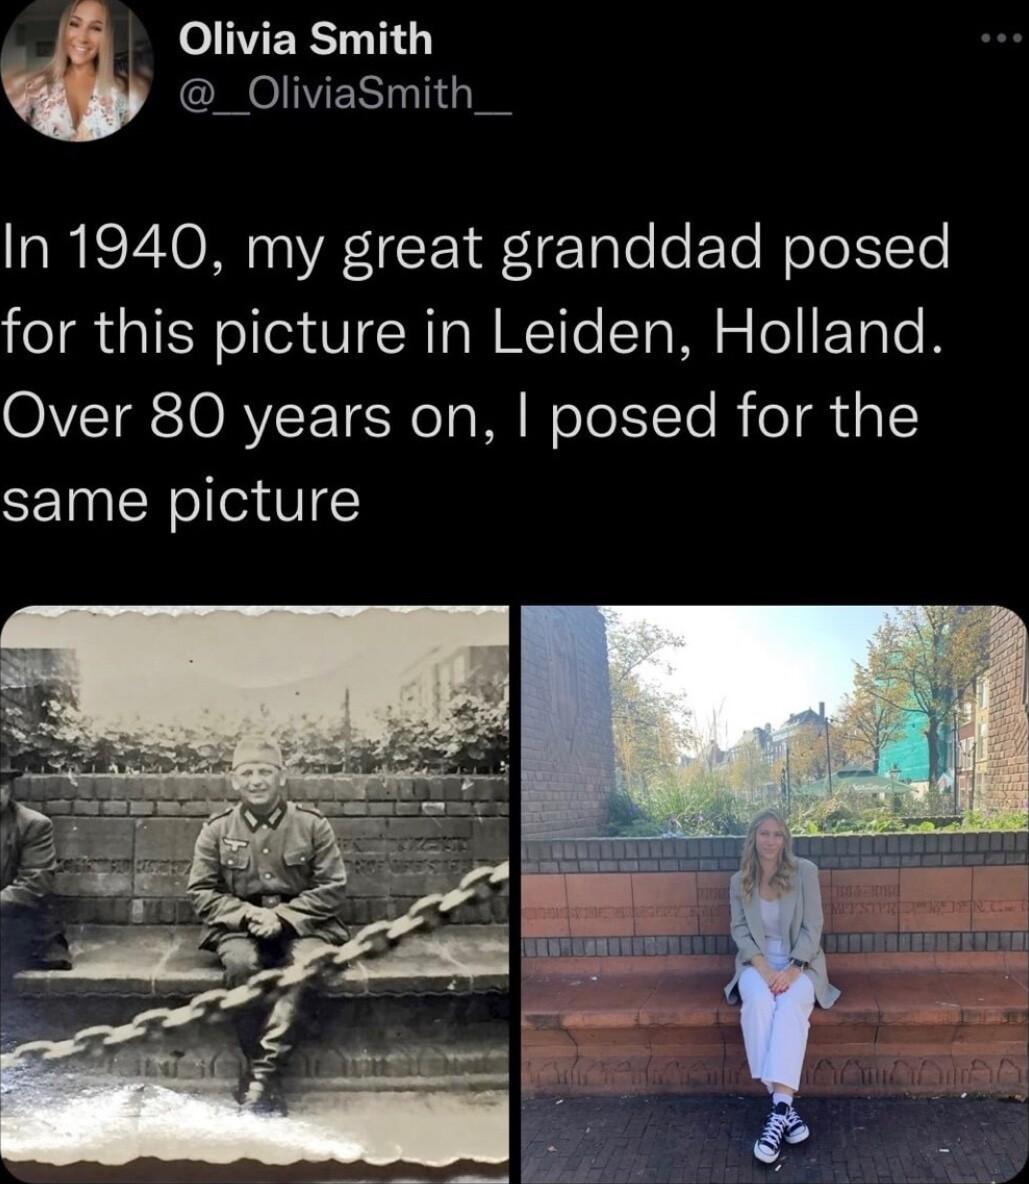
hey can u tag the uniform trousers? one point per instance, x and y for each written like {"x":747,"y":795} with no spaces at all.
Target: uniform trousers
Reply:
{"x":775,"y":1027}
{"x":260,"y":1031}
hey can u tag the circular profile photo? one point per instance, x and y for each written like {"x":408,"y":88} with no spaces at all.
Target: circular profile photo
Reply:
{"x":77,"y":71}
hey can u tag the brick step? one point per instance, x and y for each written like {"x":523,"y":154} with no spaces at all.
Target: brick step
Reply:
{"x":114,"y":1123}
{"x":915,"y":1032}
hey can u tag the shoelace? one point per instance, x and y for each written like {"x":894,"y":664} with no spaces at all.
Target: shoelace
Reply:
{"x":774,"y":1129}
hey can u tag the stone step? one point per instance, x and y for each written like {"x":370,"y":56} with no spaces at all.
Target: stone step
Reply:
{"x":164,"y":960}
{"x":435,"y":1009}
{"x":419,"y":1038}
{"x":112,"y":1124}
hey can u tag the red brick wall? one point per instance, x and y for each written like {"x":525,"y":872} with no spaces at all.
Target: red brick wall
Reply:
{"x":567,"y":757}
{"x":1007,"y":782}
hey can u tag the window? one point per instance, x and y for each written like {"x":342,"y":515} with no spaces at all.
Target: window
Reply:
{"x":982,"y":693}
{"x":980,"y":741}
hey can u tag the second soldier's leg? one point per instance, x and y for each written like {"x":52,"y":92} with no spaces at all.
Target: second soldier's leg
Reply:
{"x":241,"y":957}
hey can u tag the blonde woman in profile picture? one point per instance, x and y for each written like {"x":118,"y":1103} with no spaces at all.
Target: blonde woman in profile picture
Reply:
{"x":77,"y":96}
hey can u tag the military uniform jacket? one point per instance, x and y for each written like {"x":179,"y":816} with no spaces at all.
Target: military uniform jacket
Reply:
{"x":239,"y":858}
{"x":28,"y":865}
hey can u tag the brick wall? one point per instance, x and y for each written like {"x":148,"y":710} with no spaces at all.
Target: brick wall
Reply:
{"x":891,"y":894}
{"x":1007,"y":778}
{"x":567,"y":749}
{"x":125,"y":843}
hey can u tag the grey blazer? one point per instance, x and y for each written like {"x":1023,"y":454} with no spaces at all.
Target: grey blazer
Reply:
{"x":801,"y":913}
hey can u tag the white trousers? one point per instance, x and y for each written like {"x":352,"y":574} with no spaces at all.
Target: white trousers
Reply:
{"x":775,"y":1027}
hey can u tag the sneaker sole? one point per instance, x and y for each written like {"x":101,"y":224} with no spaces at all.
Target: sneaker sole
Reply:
{"x":798,"y":1137}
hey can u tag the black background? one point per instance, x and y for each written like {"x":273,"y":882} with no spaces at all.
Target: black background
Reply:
{"x":816,"y":124}
{"x":821,"y":122}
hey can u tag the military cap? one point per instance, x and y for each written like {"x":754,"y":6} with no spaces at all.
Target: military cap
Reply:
{"x":257,"y":749}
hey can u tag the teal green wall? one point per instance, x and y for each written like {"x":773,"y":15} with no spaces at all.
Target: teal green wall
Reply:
{"x":911,"y":752}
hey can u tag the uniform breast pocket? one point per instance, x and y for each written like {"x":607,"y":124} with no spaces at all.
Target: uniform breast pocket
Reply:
{"x":235,"y":858}
{"x":298,"y":857}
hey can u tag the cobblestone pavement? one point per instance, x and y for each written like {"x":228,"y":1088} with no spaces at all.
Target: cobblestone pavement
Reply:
{"x":664,"y":1139}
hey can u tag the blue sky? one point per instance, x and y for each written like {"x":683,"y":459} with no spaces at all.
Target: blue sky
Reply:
{"x":762,"y":663}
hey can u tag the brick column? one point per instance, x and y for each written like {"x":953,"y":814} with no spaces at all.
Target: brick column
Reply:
{"x":567,"y":745}
{"x":1007,"y":780}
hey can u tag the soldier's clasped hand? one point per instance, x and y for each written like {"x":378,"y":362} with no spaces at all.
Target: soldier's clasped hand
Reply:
{"x":264,"y":923}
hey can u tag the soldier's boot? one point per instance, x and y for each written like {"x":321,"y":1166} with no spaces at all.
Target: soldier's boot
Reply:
{"x":248,"y":1025}
{"x":264,"y":1093}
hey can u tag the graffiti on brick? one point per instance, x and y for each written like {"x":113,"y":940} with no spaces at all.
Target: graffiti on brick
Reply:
{"x":599,"y":912}
{"x":93,"y":864}
{"x":1001,"y":906}
{"x":687,"y":912}
{"x":685,"y":1071}
{"x":621,"y":1071}
{"x":414,"y":857}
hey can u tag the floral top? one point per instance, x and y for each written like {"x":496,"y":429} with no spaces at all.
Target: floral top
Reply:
{"x":46,"y":109}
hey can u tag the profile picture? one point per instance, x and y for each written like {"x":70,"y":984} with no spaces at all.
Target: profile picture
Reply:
{"x":77,"y":71}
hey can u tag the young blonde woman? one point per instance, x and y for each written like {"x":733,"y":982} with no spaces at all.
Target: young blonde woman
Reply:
{"x":77,"y":96}
{"x":776,"y":909}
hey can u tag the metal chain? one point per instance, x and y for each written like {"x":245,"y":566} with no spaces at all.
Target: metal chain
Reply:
{"x":372,"y":941}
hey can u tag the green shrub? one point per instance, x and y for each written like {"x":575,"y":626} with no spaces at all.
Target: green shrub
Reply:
{"x":623,"y":814}
{"x":639,"y":828}
{"x":470,"y":736}
{"x":699,"y":804}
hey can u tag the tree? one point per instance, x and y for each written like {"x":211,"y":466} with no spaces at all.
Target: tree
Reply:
{"x":749,"y":769}
{"x":924,"y":659}
{"x":866,"y":717}
{"x":651,"y":726}
{"x":808,"y":753}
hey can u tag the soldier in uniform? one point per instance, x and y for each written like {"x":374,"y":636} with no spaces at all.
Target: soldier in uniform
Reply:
{"x":31,"y":932}
{"x":268,"y":882}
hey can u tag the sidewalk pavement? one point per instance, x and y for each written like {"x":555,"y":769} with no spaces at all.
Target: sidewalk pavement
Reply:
{"x":666,"y":1139}
{"x":71,"y":1120}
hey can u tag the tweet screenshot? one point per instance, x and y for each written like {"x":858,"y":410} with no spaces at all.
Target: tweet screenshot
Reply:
{"x":481,"y":306}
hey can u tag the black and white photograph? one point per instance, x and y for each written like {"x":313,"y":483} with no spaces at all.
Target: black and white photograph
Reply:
{"x":255,"y":885}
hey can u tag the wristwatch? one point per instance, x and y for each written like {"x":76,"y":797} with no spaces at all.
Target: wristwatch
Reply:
{"x":797,"y":962}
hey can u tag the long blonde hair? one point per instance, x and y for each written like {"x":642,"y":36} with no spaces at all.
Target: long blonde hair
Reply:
{"x":52,"y":74}
{"x":750,"y":866}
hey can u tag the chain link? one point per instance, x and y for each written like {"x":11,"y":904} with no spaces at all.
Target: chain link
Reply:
{"x":372,"y":941}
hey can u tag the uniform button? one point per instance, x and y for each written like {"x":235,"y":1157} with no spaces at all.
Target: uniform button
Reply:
{"x":267,"y":875}
{"x":265,"y":851}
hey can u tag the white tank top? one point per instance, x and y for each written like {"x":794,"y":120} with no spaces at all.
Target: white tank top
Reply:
{"x":773,"y":927}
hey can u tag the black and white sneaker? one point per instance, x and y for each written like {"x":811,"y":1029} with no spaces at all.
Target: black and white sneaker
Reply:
{"x":767,"y":1147}
{"x":796,"y":1127}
